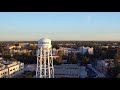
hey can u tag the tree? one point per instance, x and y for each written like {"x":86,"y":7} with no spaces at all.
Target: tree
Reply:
{"x":72,"y":58}
{"x":60,"y":53}
{"x":2,"y":50}
{"x":117,"y":56}
{"x":13,"y":59}
{"x":116,"y":71}
{"x":59,"y":59}
{"x":118,"y":76}
{"x":85,"y":60}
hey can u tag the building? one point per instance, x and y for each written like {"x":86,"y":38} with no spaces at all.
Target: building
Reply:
{"x":105,"y":46}
{"x":94,"y":73}
{"x":23,"y":44}
{"x":10,"y":69}
{"x":67,"y":71}
{"x":54,"y":51}
{"x":11,"y":47}
{"x":102,"y":65}
{"x":66,"y":51}
{"x":83,"y":50}
{"x":21,"y":51}
{"x":91,"y":50}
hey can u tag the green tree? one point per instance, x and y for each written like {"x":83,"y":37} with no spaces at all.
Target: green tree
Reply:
{"x":13,"y":59}
{"x":3,"y":51}
{"x":85,"y":60}
{"x":118,"y":76}
{"x":117,"y":56}
{"x":72,"y":57}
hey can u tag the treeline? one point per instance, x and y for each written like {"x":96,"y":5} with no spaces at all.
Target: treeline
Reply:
{"x":84,"y":43}
{"x":77,"y":43}
{"x":27,"y":59}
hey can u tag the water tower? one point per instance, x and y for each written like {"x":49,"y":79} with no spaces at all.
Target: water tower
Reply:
{"x":45,"y":67}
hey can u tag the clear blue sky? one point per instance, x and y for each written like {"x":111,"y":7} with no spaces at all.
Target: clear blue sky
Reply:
{"x":60,"y":25}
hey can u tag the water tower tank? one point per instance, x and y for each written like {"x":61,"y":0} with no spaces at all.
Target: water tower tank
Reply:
{"x":44,"y":43}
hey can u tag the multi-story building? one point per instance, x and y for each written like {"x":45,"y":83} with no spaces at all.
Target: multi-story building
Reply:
{"x":10,"y":69}
{"x":91,"y":50}
{"x":66,"y":51}
{"x":11,"y":47}
{"x":105,"y":46}
{"x":20,"y":51}
{"x":23,"y":44}
{"x":83,"y":50}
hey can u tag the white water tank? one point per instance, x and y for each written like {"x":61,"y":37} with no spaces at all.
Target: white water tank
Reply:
{"x":44,"y":43}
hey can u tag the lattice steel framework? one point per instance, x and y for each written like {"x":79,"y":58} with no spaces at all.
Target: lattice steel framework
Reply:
{"x":45,"y":67}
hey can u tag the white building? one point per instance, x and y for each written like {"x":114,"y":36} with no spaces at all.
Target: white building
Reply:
{"x":20,"y":51}
{"x":83,"y":50}
{"x":91,"y":50}
{"x":105,"y":46}
{"x":54,"y":51}
{"x":66,"y":51}
{"x":23,"y":44}
{"x":11,"y":47}
{"x":10,"y":69}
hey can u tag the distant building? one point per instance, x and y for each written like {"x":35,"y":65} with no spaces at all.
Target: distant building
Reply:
{"x":11,"y":47}
{"x":83,"y":50}
{"x":54,"y":51}
{"x":1,"y":58}
{"x":91,"y":50}
{"x":115,"y":46}
{"x":105,"y":46}
{"x":65,"y":50}
{"x":23,"y":44}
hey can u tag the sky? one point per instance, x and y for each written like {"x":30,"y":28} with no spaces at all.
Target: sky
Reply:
{"x":17,"y":26}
